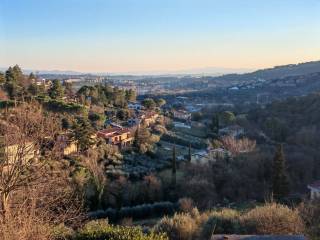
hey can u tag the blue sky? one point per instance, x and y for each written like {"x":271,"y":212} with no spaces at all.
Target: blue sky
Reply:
{"x":157,"y":35}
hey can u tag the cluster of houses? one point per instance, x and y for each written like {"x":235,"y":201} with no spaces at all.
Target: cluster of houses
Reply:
{"x":123,"y":136}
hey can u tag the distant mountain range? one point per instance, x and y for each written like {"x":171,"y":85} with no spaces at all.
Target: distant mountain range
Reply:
{"x":207,"y":71}
{"x":229,"y":74}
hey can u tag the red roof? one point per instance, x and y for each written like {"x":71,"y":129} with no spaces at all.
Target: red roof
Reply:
{"x":110,"y":132}
{"x":315,"y":184}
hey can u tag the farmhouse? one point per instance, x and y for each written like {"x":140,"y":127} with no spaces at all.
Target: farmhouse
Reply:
{"x":116,"y":136}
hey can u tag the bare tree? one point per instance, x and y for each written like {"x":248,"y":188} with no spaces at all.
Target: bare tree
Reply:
{"x":94,"y":165}
{"x":27,"y":136}
{"x":236,"y":146}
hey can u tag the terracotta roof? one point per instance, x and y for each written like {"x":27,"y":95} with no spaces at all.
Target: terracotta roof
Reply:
{"x":111,"y":132}
{"x":315,"y":184}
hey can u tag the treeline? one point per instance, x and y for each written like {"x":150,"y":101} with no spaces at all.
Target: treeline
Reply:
{"x":105,"y":95}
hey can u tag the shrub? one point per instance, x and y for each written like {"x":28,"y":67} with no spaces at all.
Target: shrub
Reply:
{"x":272,"y":219}
{"x":310,"y":212}
{"x":101,"y":230}
{"x":181,"y":226}
{"x":136,"y":212}
{"x":61,"y":232}
{"x":224,"y":221}
{"x":185,"y":204}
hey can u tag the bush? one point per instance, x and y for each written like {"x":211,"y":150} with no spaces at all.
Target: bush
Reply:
{"x":136,"y":212}
{"x":61,"y":232}
{"x":185,"y":204}
{"x":221,"y":222}
{"x":310,"y":212}
{"x":101,"y":230}
{"x":181,"y":226}
{"x":272,"y":219}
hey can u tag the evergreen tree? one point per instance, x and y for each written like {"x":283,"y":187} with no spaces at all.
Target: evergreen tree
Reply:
{"x":56,"y":90}
{"x":31,"y":76}
{"x":82,"y":134}
{"x":130,"y":95}
{"x":68,"y":89}
{"x":280,"y":183}
{"x":2,"y":78}
{"x":33,"y":89}
{"x":189,"y":153}
{"x":215,"y":124}
{"x":174,"y":166}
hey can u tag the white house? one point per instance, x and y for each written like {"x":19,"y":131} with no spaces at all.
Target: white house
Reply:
{"x":314,"y":189}
{"x":135,"y":106}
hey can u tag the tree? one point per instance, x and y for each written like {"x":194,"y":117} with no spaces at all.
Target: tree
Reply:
{"x":32,"y":77}
{"x":56,"y":91}
{"x":144,"y":140}
{"x":33,"y":89}
{"x":174,"y":166}
{"x":237,"y":146}
{"x":189,"y":154}
{"x":68,"y":90}
{"x":215,"y":126}
{"x":2,"y":78}
{"x":280,"y":183}
{"x":82,"y":134}
{"x":160,"y":102}
{"x":149,"y":103}
{"x":227,"y":117}
{"x":25,"y":134}
{"x":130,"y":95}
{"x":94,"y":165}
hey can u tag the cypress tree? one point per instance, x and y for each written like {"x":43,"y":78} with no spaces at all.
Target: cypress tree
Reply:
{"x":280,"y":183}
{"x":174,"y":166}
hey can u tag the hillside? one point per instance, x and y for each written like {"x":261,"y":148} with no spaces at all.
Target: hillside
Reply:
{"x":275,"y":72}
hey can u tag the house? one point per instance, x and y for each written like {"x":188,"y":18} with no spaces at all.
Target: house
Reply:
{"x":43,"y":82}
{"x":314,"y":189}
{"x":135,"y":106}
{"x":13,"y":152}
{"x":234,"y":131}
{"x":182,"y":115}
{"x":66,"y":145}
{"x":121,"y":137}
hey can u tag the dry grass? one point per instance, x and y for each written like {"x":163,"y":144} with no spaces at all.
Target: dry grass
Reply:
{"x":180,"y":227}
{"x":273,"y":219}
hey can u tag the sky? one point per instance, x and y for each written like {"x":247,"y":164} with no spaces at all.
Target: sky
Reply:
{"x":157,"y":35}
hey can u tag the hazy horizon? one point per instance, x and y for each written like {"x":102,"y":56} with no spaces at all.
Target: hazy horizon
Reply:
{"x":157,"y":36}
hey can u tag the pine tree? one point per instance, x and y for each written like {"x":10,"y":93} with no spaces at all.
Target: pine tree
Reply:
{"x":280,"y":183}
{"x":189,"y":154}
{"x":215,"y":124}
{"x":174,"y":166}
{"x":82,"y":134}
{"x":2,"y":78}
{"x":56,"y":91}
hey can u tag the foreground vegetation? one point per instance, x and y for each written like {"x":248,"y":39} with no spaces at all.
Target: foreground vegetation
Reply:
{"x":101,"y":191}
